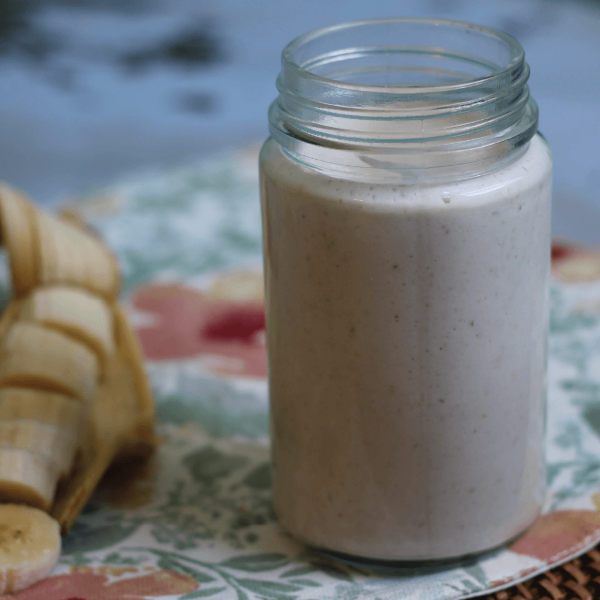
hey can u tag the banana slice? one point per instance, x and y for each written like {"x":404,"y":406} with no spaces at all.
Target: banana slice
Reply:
{"x":44,"y":249}
{"x":56,"y":444}
{"x":36,"y":357}
{"x":70,"y":255}
{"x":27,"y":478}
{"x":29,"y":546}
{"x":75,"y":312}
{"x":18,"y":235}
{"x":45,"y":407}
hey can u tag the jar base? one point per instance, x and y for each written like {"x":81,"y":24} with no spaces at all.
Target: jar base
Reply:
{"x":423,"y":566}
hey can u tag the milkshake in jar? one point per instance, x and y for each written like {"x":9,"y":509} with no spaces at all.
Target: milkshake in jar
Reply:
{"x":406,"y":220}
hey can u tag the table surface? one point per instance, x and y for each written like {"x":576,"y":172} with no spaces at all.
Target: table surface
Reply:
{"x":96,"y":89}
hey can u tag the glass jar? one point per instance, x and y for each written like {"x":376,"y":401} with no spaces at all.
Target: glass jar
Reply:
{"x":406,"y":220}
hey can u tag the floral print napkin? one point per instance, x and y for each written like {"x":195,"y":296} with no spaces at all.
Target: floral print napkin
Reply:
{"x":197,"y":520}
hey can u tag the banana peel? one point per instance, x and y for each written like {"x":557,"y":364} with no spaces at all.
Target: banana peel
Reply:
{"x":122,"y":425}
{"x":49,"y":253}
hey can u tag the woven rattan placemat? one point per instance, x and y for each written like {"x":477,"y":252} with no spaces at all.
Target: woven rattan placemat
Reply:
{"x":579,"y":579}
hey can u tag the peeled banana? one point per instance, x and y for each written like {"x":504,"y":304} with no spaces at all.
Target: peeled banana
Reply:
{"x":29,"y":546}
{"x":34,"y":356}
{"x":28,"y":478}
{"x":16,"y":221}
{"x":75,"y":312}
{"x":73,"y":391}
{"x":44,"y":407}
{"x":70,"y":255}
{"x":44,"y":249}
{"x":54,"y":443}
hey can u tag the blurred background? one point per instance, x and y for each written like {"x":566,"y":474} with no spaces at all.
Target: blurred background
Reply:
{"x":92,"y":91}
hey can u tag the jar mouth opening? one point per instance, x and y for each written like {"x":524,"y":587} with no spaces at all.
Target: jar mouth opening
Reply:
{"x":315,"y":58}
{"x":415,"y":93}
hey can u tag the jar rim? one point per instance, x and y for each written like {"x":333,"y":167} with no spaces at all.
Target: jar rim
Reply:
{"x":404,"y":94}
{"x":290,"y":65}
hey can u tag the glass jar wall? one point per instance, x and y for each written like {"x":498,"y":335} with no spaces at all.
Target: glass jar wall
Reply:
{"x":406,"y":221}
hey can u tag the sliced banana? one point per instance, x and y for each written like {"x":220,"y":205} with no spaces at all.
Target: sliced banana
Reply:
{"x":43,"y":406}
{"x":27,"y":478}
{"x":18,"y":235}
{"x":77,"y":313}
{"x":33,"y":356}
{"x":70,"y":255}
{"x":61,"y":330}
{"x":45,"y":249}
{"x":54,"y":443}
{"x":29,"y":546}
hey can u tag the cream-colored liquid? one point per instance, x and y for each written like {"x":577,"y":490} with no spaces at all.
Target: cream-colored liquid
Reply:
{"x":406,"y":338}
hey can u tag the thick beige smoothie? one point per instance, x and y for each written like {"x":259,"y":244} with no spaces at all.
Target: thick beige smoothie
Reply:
{"x":406,"y":332}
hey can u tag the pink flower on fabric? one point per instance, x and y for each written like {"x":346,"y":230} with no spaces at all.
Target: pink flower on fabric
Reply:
{"x":573,"y":264}
{"x":92,"y":584}
{"x":191,"y":323}
{"x":558,"y":534}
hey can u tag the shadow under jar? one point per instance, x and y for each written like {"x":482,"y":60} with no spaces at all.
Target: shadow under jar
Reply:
{"x":406,"y":220}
